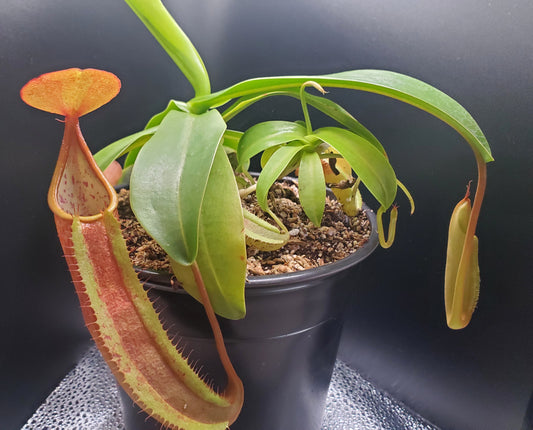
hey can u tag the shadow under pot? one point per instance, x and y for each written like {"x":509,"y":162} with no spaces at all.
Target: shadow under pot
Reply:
{"x":284,"y":350}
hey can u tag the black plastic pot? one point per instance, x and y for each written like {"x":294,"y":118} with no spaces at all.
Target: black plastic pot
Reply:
{"x":284,"y":349}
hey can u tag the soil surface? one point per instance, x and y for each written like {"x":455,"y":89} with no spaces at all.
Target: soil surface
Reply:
{"x":309,"y":246}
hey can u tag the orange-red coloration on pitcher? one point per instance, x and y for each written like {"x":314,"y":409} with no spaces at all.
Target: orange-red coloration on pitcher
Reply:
{"x":116,"y":309}
{"x":71,"y":92}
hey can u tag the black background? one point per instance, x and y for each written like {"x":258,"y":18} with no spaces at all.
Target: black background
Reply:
{"x":479,"y":52}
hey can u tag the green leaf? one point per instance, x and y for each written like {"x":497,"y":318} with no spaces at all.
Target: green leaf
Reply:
{"x":266,"y":135}
{"x":342,"y":116}
{"x":132,"y":155}
{"x":369,"y":164}
{"x":172,"y":105}
{"x":262,"y":235}
{"x":132,"y":144}
{"x":390,"y":84}
{"x":222,"y":250}
{"x":114,"y":150}
{"x":323,"y":104}
{"x":244,"y":102}
{"x":312,"y":186}
{"x":230,"y":143}
{"x":175,"y":42}
{"x":232,"y":139}
{"x":169,"y":179}
{"x":267,"y":153}
{"x":273,"y":169}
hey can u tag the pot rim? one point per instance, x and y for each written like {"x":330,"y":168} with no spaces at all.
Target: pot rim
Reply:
{"x":325,"y":270}
{"x":286,"y":281}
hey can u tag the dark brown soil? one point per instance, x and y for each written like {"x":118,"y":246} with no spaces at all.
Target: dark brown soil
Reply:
{"x":309,"y":246}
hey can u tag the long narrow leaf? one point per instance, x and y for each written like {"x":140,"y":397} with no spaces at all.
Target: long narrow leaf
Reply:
{"x":131,"y":157}
{"x":390,"y":84}
{"x":273,"y":169}
{"x":169,"y":179}
{"x":244,"y":102}
{"x":369,"y":164}
{"x":342,"y":116}
{"x":111,"y":152}
{"x":312,"y":186}
{"x":266,"y":135}
{"x":323,"y":104}
{"x":232,"y":139}
{"x":175,"y":42}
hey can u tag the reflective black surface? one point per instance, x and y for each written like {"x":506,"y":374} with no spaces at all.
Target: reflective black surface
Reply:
{"x":478,"y":52}
{"x":88,"y":398}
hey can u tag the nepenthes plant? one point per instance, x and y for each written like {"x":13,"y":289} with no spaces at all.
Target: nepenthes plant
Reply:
{"x":185,"y":169}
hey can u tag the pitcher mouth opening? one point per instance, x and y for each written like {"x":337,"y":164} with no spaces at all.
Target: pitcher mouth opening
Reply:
{"x":79,"y":188}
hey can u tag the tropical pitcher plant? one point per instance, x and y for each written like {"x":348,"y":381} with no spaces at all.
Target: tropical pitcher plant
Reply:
{"x":185,"y":192}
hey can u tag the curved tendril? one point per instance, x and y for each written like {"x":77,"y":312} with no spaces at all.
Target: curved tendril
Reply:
{"x":407,"y":194}
{"x":387,"y":243}
{"x":355,"y":187}
{"x":304,"y":102}
{"x":277,"y":220}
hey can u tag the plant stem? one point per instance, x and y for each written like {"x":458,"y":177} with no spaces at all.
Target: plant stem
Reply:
{"x":478,"y":199}
{"x":468,"y":247}
{"x":246,"y":191}
{"x":234,"y":391}
{"x":304,"y":103}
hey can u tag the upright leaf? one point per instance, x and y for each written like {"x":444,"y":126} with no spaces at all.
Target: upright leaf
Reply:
{"x":312,"y":186}
{"x":175,"y":42}
{"x":273,"y":169}
{"x":169,"y":179}
{"x":222,"y":250}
